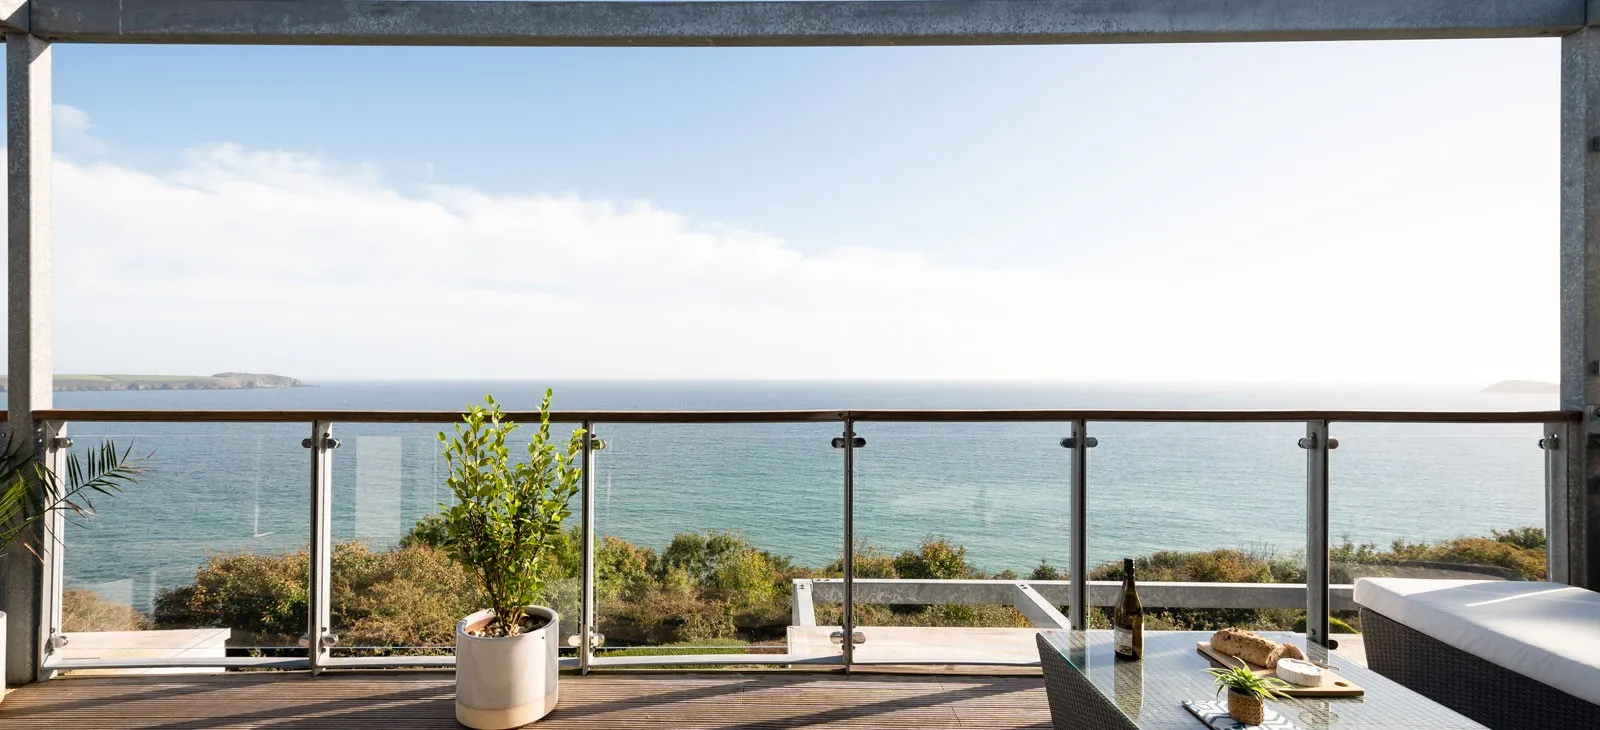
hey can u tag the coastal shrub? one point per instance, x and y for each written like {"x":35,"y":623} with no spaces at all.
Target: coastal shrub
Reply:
{"x":623,"y":569}
{"x":713,"y":587}
{"x":1228,"y":565}
{"x":261,"y":597}
{"x":701,"y":555}
{"x":1526,"y":538}
{"x":871,"y":561}
{"x":86,"y":610}
{"x":1046,"y":571}
{"x":1521,"y":563}
{"x":428,"y":531}
{"x":710,"y":626}
{"x":936,"y":559}
{"x":1516,"y":554}
{"x":411,"y":597}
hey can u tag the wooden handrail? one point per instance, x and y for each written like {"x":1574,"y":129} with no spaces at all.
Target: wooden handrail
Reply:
{"x":908,"y":416}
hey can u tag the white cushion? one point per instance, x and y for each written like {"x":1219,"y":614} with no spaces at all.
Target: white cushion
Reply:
{"x":1545,"y":631}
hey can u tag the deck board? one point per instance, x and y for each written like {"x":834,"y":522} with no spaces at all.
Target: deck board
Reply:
{"x":406,"y":700}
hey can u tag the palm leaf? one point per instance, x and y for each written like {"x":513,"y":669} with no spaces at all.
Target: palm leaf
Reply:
{"x":31,"y":493}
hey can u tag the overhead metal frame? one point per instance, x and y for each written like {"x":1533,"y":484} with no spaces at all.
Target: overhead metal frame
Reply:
{"x":786,"y":22}
{"x":32,"y":25}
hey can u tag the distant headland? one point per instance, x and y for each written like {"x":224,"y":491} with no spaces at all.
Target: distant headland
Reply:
{"x":1532,"y":387}
{"x":220,"y":381}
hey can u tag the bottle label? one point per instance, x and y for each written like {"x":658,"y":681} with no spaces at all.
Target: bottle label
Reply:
{"x":1124,"y":640}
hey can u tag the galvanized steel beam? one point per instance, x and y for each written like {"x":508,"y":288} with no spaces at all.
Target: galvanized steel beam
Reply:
{"x":790,"y":22}
{"x":14,"y":16}
{"x":1578,"y":490}
{"x":28,"y":319}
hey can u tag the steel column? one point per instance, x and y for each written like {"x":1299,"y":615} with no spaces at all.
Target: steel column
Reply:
{"x":1316,"y":443}
{"x":1580,"y":302}
{"x":319,"y":635}
{"x":586,"y":608}
{"x":28,"y":99}
{"x":1078,"y":570}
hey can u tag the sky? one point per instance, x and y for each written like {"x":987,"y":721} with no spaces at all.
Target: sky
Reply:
{"x":1362,"y":212}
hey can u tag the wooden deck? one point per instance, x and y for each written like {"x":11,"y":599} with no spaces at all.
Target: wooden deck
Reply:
{"x":405,"y":700}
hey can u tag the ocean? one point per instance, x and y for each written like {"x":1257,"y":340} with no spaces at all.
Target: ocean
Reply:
{"x":1000,"y":490}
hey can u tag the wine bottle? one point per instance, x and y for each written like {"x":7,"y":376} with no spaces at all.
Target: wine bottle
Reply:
{"x":1127,"y":621}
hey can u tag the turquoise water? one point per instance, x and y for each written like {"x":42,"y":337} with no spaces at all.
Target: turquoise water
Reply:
{"x":998,"y":489}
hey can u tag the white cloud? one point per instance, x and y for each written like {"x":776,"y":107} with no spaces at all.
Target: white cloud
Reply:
{"x":71,"y":128}
{"x":285,"y":262}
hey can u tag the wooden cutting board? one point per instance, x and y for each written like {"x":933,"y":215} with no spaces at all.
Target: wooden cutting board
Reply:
{"x":1333,"y":685}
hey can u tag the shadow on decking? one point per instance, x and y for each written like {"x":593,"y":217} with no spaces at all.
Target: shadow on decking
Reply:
{"x":403,"y":700}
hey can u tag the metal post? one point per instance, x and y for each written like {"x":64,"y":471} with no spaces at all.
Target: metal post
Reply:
{"x":55,"y":444}
{"x":1078,"y":571}
{"x":1580,"y":302}
{"x":28,"y":318}
{"x":848,"y":621}
{"x":319,"y":634}
{"x":1317,"y":444}
{"x":586,"y":610}
{"x":1556,"y":443}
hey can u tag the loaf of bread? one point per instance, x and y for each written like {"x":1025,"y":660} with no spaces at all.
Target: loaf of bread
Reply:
{"x":1250,"y":647}
{"x":1290,"y":651}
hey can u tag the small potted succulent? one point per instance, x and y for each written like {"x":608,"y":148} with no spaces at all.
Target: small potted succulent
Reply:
{"x":1248,"y":693}
{"x":502,"y":526}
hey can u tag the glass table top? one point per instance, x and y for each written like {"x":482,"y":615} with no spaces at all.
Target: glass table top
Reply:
{"x":1151,"y":691}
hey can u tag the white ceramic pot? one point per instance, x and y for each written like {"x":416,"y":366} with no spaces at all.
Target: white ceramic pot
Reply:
{"x":507,"y":682}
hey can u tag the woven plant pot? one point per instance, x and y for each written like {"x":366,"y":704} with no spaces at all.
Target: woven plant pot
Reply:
{"x":1246,"y":708}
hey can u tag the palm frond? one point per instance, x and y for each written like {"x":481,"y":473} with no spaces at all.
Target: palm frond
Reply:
{"x":32,"y":494}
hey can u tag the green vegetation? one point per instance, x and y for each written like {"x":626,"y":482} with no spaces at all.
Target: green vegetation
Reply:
{"x":1245,"y":682}
{"x":507,"y":514}
{"x":717,"y":592}
{"x":31,"y":494}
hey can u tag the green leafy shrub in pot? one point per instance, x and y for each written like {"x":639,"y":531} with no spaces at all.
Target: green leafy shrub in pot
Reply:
{"x":506,"y":528}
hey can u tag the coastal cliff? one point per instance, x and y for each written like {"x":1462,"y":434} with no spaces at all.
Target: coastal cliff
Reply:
{"x":220,"y":381}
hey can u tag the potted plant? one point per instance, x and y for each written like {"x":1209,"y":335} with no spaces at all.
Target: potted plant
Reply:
{"x":506,"y":515}
{"x":30,"y":495}
{"x":1248,"y":693}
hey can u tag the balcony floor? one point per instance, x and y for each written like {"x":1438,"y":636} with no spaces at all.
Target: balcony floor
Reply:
{"x":403,"y":700}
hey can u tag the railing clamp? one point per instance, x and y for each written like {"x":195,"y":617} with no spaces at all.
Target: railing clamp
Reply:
{"x":328,"y":442}
{"x":856,"y":637}
{"x":1550,"y":443}
{"x":57,"y":641}
{"x":1310,"y":442}
{"x":856,"y":442}
{"x":1071,"y":442}
{"x":61,"y":442}
{"x":595,"y":443}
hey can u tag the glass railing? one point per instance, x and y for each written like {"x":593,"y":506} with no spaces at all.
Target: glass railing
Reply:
{"x":704,"y":531}
{"x":950,"y":518}
{"x":205,"y":558}
{"x":1453,"y":502}
{"x":1235,"y":517}
{"x":720,"y":537}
